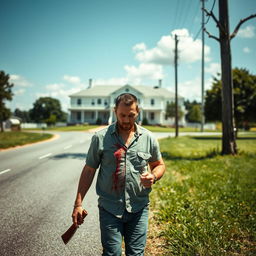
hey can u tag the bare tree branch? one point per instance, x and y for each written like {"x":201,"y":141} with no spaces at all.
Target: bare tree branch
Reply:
{"x":215,"y":19}
{"x":211,"y":36}
{"x":239,"y":25}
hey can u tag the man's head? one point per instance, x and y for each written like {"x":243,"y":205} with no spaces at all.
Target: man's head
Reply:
{"x":126,"y":110}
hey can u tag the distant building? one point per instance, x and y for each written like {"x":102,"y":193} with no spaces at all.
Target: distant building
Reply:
{"x":13,"y":124}
{"x":96,"y":104}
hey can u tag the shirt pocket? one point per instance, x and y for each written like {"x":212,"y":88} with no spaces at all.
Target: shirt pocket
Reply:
{"x":140,"y":161}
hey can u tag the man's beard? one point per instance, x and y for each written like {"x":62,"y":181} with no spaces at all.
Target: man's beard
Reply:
{"x":125,"y":126}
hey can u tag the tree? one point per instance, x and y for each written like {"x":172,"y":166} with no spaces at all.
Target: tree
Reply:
{"x":23,"y":115}
{"x":194,"y":113}
{"x":47,"y":110}
{"x":228,"y":128}
{"x":5,"y":94}
{"x":244,"y":98}
{"x":170,"y":110}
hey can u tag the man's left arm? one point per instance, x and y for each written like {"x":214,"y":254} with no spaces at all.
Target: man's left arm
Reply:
{"x":157,"y":171}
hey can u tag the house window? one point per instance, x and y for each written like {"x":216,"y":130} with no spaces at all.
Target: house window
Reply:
{"x":127,"y":90}
{"x":152,"y":116}
{"x":152,"y":101}
{"x":92,"y":115}
{"x":93,"y":102}
{"x":78,"y":116}
{"x":79,"y":101}
{"x":99,"y":101}
{"x":105,"y":103}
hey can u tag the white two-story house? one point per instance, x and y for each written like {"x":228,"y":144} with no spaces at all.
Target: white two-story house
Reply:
{"x":96,"y":104}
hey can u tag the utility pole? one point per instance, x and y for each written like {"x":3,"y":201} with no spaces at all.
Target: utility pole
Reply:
{"x":202,"y":71}
{"x":176,"y":87}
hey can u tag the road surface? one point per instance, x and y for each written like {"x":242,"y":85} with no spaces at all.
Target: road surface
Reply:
{"x":38,"y":185}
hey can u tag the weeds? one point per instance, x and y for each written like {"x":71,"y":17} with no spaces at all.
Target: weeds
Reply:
{"x":206,"y":203}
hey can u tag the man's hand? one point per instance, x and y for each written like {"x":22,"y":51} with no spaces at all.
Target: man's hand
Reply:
{"x":77,"y":216}
{"x":147,"y":179}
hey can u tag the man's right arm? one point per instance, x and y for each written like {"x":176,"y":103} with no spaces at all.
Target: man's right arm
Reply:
{"x":85,"y":182}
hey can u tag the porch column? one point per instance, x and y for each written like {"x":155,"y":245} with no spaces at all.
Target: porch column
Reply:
{"x":110,"y":119}
{"x":96,"y":115}
{"x":141,"y":116}
{"x":82,"y":116}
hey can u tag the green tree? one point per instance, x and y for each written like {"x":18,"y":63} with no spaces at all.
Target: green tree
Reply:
{"x":244,"y":99}
{"x":23,"y":115}
{"x":170,"y":110}
{"x":47,"y":110}
{"x":193,"y":111}
{"x":5,"y":94}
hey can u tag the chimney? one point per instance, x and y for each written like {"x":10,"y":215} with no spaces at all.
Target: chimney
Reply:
{"x":90,"y":83}
{"x":160,"y":83}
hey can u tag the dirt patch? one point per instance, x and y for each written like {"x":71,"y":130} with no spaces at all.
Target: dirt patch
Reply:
{"x":155,"y":242}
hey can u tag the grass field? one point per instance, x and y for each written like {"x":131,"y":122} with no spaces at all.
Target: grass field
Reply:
{"x":11,"y":139}
{"x":149,"y":127}
{"x":66,"y":128}
{"x":171,"y":129}
{"x":206,"y":203}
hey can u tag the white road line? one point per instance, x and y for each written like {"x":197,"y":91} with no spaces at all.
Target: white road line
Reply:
{"x":67,"y":147}
{"x":5,"y":171}
{"x":44,"y":156}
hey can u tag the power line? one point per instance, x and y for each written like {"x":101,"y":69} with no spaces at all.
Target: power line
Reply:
{"x":198,"y":33}
{"x":210,"y":11}
{"x":201,"y":27}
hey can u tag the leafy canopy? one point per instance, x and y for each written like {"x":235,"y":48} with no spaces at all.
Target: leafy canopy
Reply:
{"x":47,"y":110}
{"x":244,"y":86}
{"x":5,"y":94}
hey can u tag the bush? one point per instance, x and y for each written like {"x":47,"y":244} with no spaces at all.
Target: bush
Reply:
{"x":145,"y":121}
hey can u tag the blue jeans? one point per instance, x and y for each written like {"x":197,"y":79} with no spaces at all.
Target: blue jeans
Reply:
{"x":132,"y":227}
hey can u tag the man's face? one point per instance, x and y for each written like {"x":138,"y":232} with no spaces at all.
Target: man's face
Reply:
{"x":126,"y":116}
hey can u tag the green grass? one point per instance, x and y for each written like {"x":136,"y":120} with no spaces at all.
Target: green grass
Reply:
{"x":206,"y":203}
{"x":68,"y":128}
{"x":170,"y":129}
{"x":12,"y":139}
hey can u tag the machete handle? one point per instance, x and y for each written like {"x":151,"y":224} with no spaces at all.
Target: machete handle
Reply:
{"x":72,"y":230}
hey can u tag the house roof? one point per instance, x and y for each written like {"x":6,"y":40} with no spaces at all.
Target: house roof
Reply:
{"x":107,"y":90}
{"x":98,"y":90}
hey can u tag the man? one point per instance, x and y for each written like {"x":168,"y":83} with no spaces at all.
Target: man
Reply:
{"x":129,"y":162}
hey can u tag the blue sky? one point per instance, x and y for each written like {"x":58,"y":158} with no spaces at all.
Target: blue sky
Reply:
{"x":53,"y":47}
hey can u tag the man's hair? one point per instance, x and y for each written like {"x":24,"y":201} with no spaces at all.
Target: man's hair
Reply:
{"x":127,"y":98}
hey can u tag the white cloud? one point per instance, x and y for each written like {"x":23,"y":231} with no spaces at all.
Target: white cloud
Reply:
{"x":18,"y":80}
{"x":213,"y":68}
{"x":246,"y":50}
{"x":247,"y":32}
{"x":189,"y":50}
{"x":54,"y":87}
{"x":192,"y":89}
{"x":139,"y":47}
{"x":19,"y":92}
{"x":72,"y":79}
{"x":144,"y":71}
{"x":134,"y":75}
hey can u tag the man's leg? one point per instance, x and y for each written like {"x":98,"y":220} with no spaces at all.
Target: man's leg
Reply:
{"x":135,"y":233}
{"x":111,"y":233}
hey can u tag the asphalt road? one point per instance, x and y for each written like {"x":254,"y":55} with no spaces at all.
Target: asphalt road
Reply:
{"x":38,"y":185}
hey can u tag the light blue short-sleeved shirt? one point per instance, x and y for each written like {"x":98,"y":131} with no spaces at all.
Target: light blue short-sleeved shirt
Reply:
{"x":118,"y":183}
